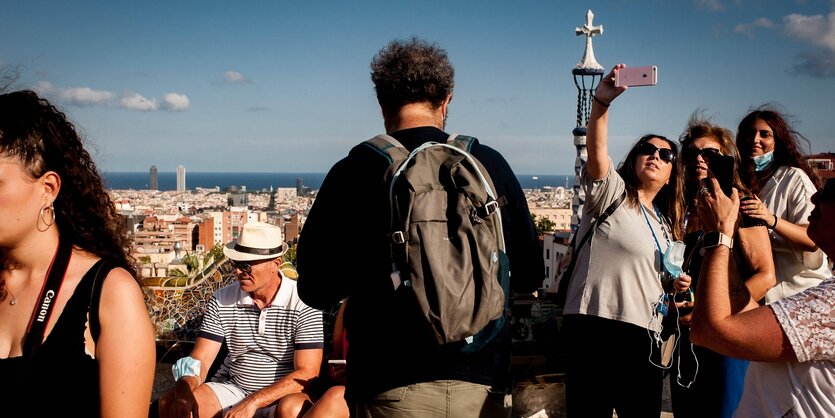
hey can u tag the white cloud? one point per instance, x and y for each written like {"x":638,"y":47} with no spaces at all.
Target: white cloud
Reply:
{"x":43,"y":87}
{"x":714,"y":5}
{"x":136,"y":101}
{"x":748,"y":29}
{"x":818,"y":29}
{"x":176,"y":101}
{"x":234,"y":77}
{"x":85,"y":96}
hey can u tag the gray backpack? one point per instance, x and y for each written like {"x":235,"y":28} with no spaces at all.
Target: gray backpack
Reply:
{"x":447,"y":245}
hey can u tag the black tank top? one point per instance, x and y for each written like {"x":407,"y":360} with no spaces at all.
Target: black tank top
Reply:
{"x":59,"y":378}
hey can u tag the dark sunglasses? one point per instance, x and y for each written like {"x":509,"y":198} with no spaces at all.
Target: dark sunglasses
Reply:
{"x":666,"y":154}
{"x":690,"y":154}
{"x":242,"y":266}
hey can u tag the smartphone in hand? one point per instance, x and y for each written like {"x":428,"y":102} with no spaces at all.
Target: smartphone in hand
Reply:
{"x":637,"y":76}
{"x":722,"y":167}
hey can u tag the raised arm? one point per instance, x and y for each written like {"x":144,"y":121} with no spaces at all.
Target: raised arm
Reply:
{"x":598,"y":129}
{"x":125,"y":348}
{"x":754,"y":334}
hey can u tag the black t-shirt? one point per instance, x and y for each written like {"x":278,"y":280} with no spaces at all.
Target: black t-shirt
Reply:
{"x":344,"y":252}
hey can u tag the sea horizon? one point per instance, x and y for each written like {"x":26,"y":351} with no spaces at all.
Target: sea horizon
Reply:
{"x":257,"y":181}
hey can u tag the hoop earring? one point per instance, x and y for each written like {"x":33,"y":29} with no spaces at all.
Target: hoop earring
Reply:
{"x":45,"y":219}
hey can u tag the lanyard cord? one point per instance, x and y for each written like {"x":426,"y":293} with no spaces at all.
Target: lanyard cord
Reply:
{"x":657,"y":244}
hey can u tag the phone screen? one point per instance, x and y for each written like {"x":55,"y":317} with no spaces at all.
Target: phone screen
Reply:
{"x":722,"y":167}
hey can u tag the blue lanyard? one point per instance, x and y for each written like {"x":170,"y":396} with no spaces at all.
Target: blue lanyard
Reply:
{"x":657,"y":244}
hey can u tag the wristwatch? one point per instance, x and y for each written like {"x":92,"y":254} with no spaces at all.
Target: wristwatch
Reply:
{"x":715,"y":239}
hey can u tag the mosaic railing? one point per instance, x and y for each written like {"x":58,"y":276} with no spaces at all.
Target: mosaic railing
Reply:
{"x":176,"y":305}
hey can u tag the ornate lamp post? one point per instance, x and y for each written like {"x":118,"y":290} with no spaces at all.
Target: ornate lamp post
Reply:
{"x":587,"y":74}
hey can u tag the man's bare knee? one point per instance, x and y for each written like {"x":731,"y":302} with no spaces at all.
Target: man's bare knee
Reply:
{"x":292,"y":405}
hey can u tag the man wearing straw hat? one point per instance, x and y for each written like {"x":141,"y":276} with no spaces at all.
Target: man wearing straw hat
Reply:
{"x":274,"y":340}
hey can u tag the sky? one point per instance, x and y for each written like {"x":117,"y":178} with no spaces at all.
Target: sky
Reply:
{"x":280,"y":86}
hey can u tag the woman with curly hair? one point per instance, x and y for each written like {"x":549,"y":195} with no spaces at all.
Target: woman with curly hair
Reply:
{"x":706,"y":383}
{"x":783,"y":185}
{"x":74,"y":322}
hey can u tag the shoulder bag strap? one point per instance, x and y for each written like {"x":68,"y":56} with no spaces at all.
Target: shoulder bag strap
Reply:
{"x":569,"y":270}
{"x":600,"y":219}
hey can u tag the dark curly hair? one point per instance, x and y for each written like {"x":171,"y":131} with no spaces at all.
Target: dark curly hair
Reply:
{"x":669,"y":199}
{"x":33,"y":131}
{"x":786,"y":146}
{"x":700,"y":127}
{"x":411,"y":71}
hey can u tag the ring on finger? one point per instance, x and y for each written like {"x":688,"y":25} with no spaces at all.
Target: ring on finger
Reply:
{"x":703,"y":191}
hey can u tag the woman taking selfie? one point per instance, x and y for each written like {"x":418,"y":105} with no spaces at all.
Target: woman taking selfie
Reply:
{"x":612,"y":316}
{"x":74,"y":324}
{"x":704,"y":383}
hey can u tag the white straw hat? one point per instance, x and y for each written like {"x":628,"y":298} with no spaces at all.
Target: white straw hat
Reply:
{"x":258,"y":241}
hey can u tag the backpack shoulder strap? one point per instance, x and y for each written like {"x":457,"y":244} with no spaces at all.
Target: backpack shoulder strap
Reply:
{"x":462,"y":142}
{"x":388,"y":147}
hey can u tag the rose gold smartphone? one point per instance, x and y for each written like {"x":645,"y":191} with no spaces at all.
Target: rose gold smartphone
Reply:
{"x":637,"y":76}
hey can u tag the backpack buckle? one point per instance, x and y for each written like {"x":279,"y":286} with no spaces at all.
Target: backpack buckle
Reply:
{"x":398,"y":237}
{"x":488,"y":209}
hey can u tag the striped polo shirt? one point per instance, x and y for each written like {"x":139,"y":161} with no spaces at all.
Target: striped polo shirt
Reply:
{"x":262,"y":343}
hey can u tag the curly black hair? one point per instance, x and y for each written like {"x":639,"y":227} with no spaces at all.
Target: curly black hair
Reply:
{"x":786,"y":146}
{"x":411,"y":71}
{"x":35,"y":132}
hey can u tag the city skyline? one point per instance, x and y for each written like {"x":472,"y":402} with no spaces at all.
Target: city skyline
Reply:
{"x":285,"y":88}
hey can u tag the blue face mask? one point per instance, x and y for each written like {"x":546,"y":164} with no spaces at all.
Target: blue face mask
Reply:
{"x":674,"y":259}
{"x":762,"y":162}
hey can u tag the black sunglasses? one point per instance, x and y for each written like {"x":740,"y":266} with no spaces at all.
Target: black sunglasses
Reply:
{"x":242,"y":266}
{"x":666,"y":154}
{"x":690,"y":154}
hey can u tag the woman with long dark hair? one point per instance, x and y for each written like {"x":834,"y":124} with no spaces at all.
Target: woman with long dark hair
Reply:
{"x":618,"y":290}
{"x":74,"y":323}
{"x":783,"y":184}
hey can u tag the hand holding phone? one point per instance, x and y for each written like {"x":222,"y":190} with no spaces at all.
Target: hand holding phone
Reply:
{"x":637,"y":76}
{"x":722,"y":168}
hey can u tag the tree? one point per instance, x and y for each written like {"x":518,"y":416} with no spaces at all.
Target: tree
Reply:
{"x":543,"y":224}
{"x":290,"y":255}
{"x":216,"y":251}
{"x":192,"y":262}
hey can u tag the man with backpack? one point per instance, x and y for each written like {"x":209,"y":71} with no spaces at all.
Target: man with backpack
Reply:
{"x":419,"y":237}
